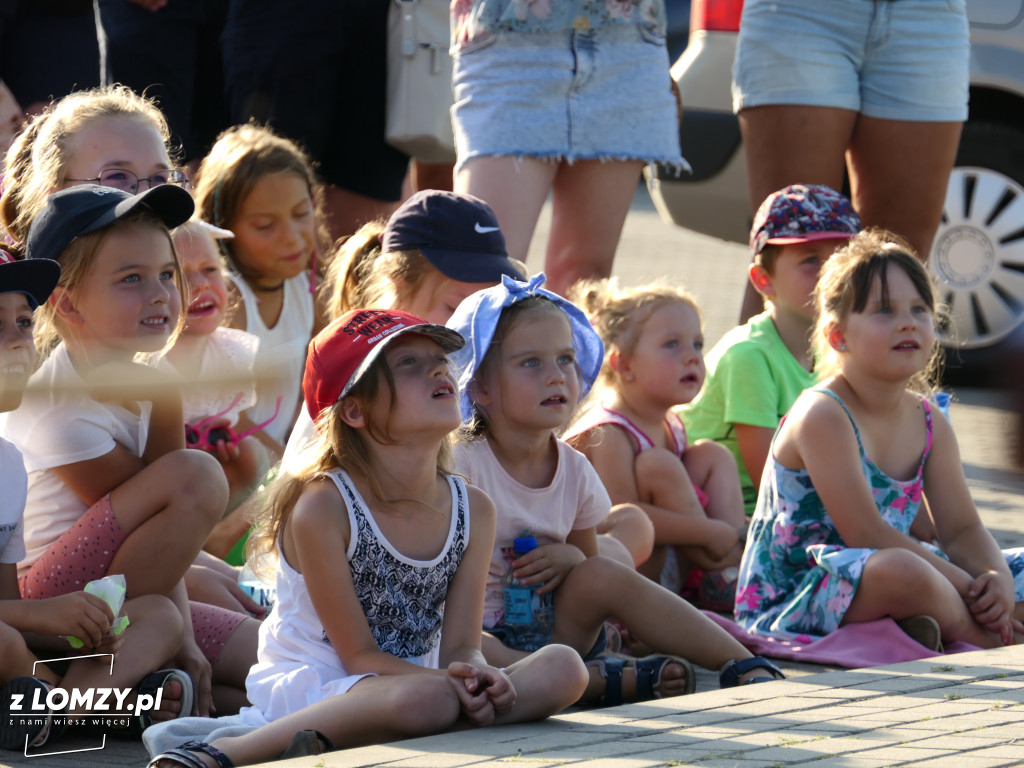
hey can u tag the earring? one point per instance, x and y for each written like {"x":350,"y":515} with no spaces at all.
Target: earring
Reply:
{"x":629,"y":377}
{"x":842,"y":347}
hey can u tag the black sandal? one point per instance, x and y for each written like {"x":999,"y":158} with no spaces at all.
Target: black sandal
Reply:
{"x":25,"y":729}
{"x":306,"y":743}
{"x":729,"y":675}
{"x":185,"y":756}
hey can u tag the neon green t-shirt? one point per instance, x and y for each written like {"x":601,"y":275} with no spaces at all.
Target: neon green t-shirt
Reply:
{"x":752,"y":379}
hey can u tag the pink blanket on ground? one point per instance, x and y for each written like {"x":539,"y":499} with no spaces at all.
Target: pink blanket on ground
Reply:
{"x":870,"y":644}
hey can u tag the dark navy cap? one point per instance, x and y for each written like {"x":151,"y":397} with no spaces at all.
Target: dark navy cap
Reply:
{"x":457,"y":233}
{"x":86,"y":208}
{"x":36,"y":279}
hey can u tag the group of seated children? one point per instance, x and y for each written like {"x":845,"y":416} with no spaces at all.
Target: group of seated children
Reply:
{"x":413,"y":400}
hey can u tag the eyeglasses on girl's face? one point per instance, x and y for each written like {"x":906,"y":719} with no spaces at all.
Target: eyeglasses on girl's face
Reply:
{"x":128,"y":182}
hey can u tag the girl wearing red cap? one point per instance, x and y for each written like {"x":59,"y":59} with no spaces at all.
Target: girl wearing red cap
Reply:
{"x":383,"y":643}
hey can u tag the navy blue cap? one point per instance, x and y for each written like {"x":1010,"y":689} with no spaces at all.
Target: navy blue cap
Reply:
{"x":86,"y":208}
{"x":457,"y":233}
{"x":36,"y":279}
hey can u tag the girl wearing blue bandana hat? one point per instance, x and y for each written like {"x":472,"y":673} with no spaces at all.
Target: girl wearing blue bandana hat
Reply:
{"x":531,"y":355}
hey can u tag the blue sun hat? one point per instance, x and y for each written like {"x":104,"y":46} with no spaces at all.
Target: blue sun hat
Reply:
{"x":477,"y":318}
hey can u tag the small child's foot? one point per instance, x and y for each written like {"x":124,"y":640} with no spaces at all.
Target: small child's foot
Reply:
{"x":176,"y":697}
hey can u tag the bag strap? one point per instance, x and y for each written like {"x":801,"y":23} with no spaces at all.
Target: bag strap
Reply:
{"x":406,"y":8}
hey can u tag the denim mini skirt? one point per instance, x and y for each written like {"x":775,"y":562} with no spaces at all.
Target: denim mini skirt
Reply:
{"x":602,"y":93}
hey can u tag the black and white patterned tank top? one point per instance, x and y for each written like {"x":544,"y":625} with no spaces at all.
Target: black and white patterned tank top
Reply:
{"x":403,"y":599}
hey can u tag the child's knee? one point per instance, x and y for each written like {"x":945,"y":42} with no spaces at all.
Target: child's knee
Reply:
{"x":909,"y":581}
{"x":705,"y":457}
{"x":562,"y":669}
{"x":633,"y":518}
{"x":196,"y":478}
{"x":12,"y":642}
{"x":631,"y":526}
{"x":156,"y":611}
{"x":658,"y":468}
{"x":592,"y":579}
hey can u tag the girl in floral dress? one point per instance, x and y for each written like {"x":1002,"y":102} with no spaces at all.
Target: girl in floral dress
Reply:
{"x":850,"y":466}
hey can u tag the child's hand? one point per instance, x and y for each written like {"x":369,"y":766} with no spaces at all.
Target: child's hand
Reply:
{"x":548,"y":564}
{"x":207,"y":585}
{"x":991,"y":604}
{"x":226,"y":451}
{"x":77,"y":614}
{"x":498,"y":688}
{"x":110,"y":644}
{"x":192,"y":660}
{"x":471,"y":689}
{"x":484,"y":691}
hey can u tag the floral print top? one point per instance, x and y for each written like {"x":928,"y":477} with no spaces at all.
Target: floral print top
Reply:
{"x":476,"y":21}
{"x":797,"y":576}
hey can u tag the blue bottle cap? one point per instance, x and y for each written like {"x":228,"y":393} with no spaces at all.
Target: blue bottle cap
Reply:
{"x":524,"y":544}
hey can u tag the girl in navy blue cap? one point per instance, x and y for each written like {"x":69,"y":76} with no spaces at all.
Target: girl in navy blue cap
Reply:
{"x":111,"y":488}
{"x":31,"y":630}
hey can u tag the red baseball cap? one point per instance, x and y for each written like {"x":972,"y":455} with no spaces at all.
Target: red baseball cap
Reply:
{"x":343,"y":351}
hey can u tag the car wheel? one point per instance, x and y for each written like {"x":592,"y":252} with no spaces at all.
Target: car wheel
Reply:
{"x":978,"y":256}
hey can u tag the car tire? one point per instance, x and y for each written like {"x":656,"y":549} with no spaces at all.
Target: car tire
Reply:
{"x":978,"y":255}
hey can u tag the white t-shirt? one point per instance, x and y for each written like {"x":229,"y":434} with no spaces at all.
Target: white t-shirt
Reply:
{"x":282,"y":351}
{"x":575,"y":499}
{"x":61,"y":424}
{"x":228,"y":353}
{"x":14,"y":482}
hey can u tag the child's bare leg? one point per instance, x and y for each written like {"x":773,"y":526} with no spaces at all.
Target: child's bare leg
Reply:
{"x":374,"y":711}
{"x":231,"y":528}
{"x":901,"y":584}
{"x":712,"y":468}
{"x":546,"y":682}
{"x":497,"y":653}
{"x":153,"y":635}
{"x":18,"y":659}
{"x":678,"y":517}
{"x":626,"y":535}
{"x":166,"y":510}
{"x":243,"y":473}
{"x":599,"y":588}
{"x":232,"y":667}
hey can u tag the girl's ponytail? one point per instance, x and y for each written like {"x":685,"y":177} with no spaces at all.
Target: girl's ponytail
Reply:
{"x":349,"y":279}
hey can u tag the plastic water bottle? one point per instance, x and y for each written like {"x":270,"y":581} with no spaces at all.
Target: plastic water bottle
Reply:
{"x":529,"y":616}
{"x":263,"y":593}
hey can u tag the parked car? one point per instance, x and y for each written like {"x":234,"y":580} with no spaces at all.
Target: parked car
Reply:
{"x":978,"y":256}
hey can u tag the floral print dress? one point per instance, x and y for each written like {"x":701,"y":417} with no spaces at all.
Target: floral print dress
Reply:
{"x":797,"y":576}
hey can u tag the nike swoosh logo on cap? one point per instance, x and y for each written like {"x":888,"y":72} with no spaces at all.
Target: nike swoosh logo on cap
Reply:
{"x":484,"y":230}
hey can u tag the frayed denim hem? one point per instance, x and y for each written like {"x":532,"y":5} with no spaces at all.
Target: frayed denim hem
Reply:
{"x":677,"y":164}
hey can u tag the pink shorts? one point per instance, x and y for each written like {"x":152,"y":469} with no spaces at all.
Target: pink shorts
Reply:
{"x":84,"y":552}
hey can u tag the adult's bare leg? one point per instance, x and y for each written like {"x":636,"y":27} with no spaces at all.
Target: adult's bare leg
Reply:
{"x":899,"y":171}
{"x":590,"y":201}
{"x":791,"y":144}
{"x":515,"y":188}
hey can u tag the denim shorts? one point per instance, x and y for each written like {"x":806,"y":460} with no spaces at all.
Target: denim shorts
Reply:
{"x":888,"y":59}
{"x":601,"y":93}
